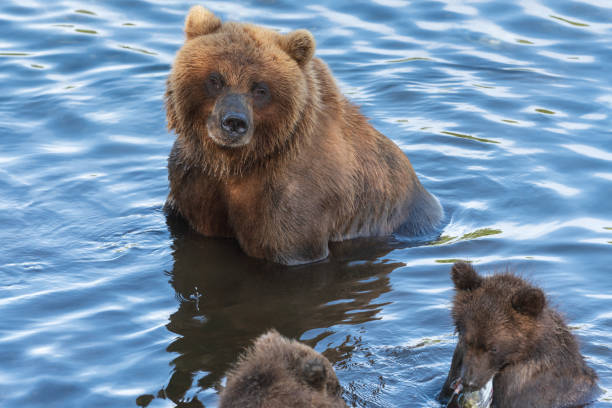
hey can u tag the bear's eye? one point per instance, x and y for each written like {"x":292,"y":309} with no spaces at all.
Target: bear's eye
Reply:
{"x":214,"y":83}
{"x":260,"y":91}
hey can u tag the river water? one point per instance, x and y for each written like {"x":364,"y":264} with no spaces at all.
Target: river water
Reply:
{"x":504,"y":108}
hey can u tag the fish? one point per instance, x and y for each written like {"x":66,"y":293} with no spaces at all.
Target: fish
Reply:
{"x":481,"y":398}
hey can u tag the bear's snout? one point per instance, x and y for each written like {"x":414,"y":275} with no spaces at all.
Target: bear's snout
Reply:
{"x":476,"y":370}
{"x":235,"y":123}
{"x":230,"y":123}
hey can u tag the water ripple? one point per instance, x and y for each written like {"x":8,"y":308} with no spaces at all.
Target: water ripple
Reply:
{"x":503,"y":109}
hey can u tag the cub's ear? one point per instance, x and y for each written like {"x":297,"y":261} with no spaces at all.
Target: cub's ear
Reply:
{"x":313,"y":372}
{"x":465,"y":277}
{"x":300,"y":45}
{"x":200,"y":21}
{"x":529,"y":301}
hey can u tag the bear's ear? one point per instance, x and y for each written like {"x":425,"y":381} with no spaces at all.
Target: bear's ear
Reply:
{"x":200,"y":21}
{"x":465,"y":277}
{"x":529,"y":301}
{"x":300,"y":45}
{"x":313,"y":372}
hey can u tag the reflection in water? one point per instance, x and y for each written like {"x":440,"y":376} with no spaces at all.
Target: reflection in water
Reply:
{"x":84,"y":301}
{"x":228,"y":299}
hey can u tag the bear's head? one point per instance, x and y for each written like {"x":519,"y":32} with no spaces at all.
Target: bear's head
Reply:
{"x":498,"y":318}
{"x":280,"y":372}
{"x":236,"y":91}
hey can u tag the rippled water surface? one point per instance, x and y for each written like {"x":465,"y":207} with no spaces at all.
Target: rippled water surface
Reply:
{"x":504,"y":109}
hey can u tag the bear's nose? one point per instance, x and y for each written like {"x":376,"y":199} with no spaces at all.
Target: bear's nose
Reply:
{"x":235,"y":122}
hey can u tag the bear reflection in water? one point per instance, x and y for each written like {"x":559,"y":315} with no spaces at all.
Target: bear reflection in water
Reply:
{"x":227,"y":299}
{"x":508,"y":333}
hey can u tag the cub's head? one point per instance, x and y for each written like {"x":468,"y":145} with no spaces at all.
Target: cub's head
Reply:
{"x":278,"y":372}
{"x":236,"y":91}
{"x":498,"y":318}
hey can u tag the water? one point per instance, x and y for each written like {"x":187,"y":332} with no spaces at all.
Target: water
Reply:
{"x":504,"y":109}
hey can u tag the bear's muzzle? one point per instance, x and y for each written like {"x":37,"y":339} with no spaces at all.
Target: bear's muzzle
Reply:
{"x":230,"y":124}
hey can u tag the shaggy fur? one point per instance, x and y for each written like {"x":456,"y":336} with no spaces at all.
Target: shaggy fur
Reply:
{"x":277,"y":373}
{"x":309,"y":168}
{"x":507,"y":331}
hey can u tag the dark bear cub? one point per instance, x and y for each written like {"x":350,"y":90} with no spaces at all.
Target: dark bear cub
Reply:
{"x":508,"y":332}
{"x":277,"y":372}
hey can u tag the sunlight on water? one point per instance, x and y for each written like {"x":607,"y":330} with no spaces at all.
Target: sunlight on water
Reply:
{"x":503,"y":109}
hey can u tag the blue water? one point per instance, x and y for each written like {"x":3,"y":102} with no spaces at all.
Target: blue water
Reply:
{"x":504,"y":108}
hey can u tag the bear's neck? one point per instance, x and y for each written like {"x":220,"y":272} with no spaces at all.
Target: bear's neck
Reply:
{"x":552,"y":363}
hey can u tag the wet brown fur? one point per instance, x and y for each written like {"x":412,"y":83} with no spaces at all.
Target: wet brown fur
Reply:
{"x":315,"y":170}
{"x":507,"y":331}
{"x":277,"y":372}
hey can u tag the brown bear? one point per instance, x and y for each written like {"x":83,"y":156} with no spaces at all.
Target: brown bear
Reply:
{"x":268,"y":150}
{"x":508,"y":332}
{"x":277,"y":372}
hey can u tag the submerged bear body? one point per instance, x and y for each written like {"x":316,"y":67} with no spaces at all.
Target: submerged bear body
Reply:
{"x":508,"y":333}
{"x":271,"y":153}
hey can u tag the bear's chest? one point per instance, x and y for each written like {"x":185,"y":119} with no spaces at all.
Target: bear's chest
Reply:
{"x":246,"y":197}
{"x":200,"y":200}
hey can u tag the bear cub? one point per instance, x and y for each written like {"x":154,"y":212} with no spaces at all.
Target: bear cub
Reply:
{"x":268,"y":151}
{"x":508,"y":332}
{"x":277,"y":372}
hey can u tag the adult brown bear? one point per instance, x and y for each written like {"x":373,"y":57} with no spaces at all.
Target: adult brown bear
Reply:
{"x":271,"y":153}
